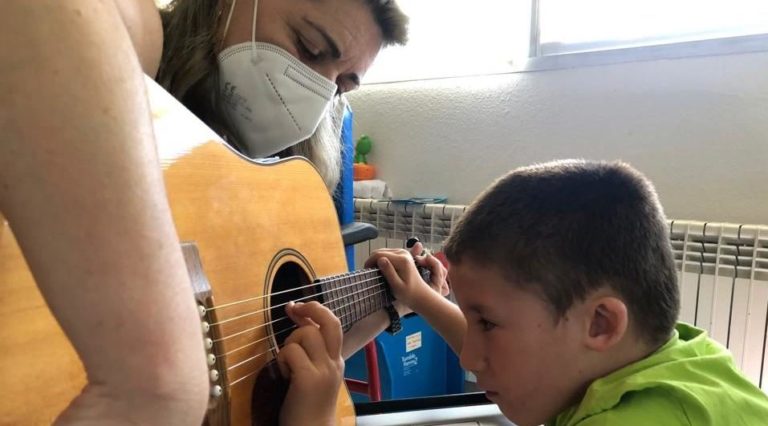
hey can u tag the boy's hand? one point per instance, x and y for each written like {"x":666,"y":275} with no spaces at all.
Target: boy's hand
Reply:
{"x":311,"y":359}
{"x":439,"y":279}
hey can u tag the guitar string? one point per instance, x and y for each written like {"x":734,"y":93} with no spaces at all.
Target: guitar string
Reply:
{"x":295,"y":300}
{"x":269,"y":349}
{"x":378,"y":284}
{"x":331,"y":278}
{"x":251,"y":373}
{"x":233,"y":382}
{"x":340,"y":277}
{"x":364,"y":299}
{"x":341,"y":318}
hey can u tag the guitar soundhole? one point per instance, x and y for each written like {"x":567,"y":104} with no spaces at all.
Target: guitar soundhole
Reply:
{"x":291,"y":284}
{"x":269,"y":391}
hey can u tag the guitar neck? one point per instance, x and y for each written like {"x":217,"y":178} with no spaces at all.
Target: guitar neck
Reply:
{"x":355,"y":295}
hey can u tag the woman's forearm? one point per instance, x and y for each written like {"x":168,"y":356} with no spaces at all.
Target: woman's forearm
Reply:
{"x":82,"y":190}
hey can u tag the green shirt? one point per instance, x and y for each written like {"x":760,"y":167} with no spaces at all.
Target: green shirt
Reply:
{"x":691,"y":380}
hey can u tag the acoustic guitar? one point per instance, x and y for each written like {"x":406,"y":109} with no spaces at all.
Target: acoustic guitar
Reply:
{"x":254,"y":234}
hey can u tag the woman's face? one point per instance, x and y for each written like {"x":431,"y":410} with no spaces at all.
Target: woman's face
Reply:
{"x":337,"y":38}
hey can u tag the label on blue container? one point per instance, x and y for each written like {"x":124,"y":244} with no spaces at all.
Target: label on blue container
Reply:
{"x":413,"y":341}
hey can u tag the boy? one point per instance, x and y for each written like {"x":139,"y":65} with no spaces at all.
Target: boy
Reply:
{"x":566,"y":285}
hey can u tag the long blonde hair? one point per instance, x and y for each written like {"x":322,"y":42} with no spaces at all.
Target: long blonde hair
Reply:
{"x":323,"y":148}
{"x":189,"y":71}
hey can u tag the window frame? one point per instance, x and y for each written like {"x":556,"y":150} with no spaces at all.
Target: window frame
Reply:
{"x":687,"y":49}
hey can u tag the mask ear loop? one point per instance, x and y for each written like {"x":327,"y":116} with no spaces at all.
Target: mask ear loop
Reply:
{"x":253,"y":31}
{"x":229,"y":18}
{"x":253,"y":27}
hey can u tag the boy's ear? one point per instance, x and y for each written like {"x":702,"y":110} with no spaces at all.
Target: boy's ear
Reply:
{"x":608,"y":322}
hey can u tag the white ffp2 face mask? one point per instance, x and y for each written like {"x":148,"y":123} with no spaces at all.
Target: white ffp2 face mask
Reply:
{"x":271,"y":98}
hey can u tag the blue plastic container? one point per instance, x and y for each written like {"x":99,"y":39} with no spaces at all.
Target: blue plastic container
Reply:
{"x":412,"y":363}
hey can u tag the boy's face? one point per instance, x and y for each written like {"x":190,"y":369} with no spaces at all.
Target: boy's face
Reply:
{"x":528,"y":364}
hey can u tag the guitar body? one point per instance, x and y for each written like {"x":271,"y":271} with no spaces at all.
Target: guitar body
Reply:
{"x":249,"y":230}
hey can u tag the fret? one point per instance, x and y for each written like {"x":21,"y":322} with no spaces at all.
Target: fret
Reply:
{"x":356,"y":302}
{"x":339,"y":303}
{"x":347,"y":302}
{"x":366,"y":305}
{"x":359,"y":298}
{"x":368,"y":294}
{"x":341,"y":298}
{"x":375,"y":287}
{"x":371,"y":278}
{"x":326,"y":290}
{"x":379,"y":293}
{"x":354,"y":295}
{"x":377,"y":305}
{"x":337,"y":296}
{"x":348,"y":306}
{"x":383,"y":296}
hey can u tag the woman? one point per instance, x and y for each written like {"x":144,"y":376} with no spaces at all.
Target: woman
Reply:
{"x":336,"y":40}
{"x":76,"y":132}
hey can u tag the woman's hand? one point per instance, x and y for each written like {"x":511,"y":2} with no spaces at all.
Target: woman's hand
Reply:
{"x":311,"y":359}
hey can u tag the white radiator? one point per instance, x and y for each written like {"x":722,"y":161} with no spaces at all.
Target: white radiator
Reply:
{"x":722,"y":271}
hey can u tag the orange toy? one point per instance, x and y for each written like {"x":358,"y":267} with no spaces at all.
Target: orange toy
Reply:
{"x":361,"y":170}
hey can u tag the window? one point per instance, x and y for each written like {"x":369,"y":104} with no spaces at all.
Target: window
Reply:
{"x":459,"y":37}
{"x":567,"y":26}
{"x":456,"y":37}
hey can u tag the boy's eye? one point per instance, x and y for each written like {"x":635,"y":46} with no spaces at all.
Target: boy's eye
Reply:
{"x":486,"y":325}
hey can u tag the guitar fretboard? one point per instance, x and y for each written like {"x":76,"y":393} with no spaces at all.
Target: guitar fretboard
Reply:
{"x":355,"y":295}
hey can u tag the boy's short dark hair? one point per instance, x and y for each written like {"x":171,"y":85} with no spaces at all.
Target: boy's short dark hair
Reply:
{"x":566,"y":228}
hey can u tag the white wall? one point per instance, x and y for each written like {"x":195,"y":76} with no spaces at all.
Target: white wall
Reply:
{"x":698,"y":127}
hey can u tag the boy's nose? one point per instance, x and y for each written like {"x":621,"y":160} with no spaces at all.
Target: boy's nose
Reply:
{"x":471,"y":358}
